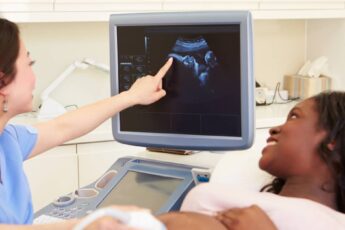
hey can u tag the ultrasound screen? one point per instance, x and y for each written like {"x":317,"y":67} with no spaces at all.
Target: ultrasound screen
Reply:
{"x":203,"y":86}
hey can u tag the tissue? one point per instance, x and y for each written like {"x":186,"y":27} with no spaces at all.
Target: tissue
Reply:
{"x":311,"y":79}
{"x":316,"y":68}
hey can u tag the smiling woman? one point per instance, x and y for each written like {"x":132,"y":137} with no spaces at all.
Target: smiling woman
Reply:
{"x":286,"y":145}
{"x":306,"y":154}
{"x":8,"y":56}
{"x":311,"y":150}
{"x":18,"y":92}
{"x":18,"y":142}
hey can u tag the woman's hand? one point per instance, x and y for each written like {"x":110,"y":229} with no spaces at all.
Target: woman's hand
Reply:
{"x":148,"y":89}
{"x":111,"y":223}
{"x":248,"y":218}
{"x":107,"y":223}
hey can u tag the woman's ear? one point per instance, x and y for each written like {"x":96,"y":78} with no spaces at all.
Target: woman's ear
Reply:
{"x":1,"y":80}
{"x":331,"y":145}
{"x":2,"y":84}
{"x":3,"y":93}
{"x":4,"y":102}
{"x":2,"y":88}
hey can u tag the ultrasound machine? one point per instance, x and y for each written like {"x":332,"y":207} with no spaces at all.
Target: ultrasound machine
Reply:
{"x":209,"y":105}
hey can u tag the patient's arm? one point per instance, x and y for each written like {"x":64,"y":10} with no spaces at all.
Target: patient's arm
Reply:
{"x":190,"y":220}
{"x":250,"y":218}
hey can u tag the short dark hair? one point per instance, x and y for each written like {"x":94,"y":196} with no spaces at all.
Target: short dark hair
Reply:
{"x":9,"y":51}
{"x":330,"y":107}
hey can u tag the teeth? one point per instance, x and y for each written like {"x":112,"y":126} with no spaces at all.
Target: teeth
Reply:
{"x":271,"y":143}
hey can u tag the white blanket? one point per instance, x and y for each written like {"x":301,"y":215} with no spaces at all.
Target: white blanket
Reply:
{"x":286,"y":213}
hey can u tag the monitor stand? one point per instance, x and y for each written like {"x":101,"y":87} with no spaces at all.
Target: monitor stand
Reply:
{"x":171,"y":151}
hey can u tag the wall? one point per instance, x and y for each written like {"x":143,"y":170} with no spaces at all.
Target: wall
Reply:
{"x":279,"y":48}
{"x":326,"y":38}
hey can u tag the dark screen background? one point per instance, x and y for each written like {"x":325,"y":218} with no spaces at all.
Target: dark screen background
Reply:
{"x":203,"y":85}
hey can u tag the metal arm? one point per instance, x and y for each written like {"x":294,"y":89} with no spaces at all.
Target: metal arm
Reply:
{"x":51,"y":108}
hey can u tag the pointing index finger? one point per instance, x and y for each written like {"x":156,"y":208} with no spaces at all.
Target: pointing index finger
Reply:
{"x":161,"y":73}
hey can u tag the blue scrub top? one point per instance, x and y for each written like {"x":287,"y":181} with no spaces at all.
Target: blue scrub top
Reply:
{"x":16,"y":143}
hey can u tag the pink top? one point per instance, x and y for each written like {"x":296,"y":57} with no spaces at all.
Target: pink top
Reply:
{"x":286,"y":213}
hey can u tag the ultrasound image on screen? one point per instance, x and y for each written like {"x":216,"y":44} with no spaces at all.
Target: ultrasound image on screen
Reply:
{"x":143,"y":190}
{"x":195,"y":59}
{"x":203,"y":85}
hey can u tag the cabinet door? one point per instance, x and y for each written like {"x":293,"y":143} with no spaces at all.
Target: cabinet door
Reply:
{"x":52,"y":174}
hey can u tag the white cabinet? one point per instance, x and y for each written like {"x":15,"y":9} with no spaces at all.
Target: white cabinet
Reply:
{"x":93,"y":10}
{"x":305,"y":9}
{"x":181,"y":5}
{"x":108,"y":5}
{"x":52,"y":174}
{"x":301,"y":5}
{"x":26,"y":5}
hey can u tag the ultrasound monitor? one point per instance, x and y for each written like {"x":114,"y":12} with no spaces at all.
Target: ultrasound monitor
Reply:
{"x":210,"y":101}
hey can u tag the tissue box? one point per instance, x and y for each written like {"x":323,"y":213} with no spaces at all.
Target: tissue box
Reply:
{"x":292,"y":84}
{"x":304,"y":87}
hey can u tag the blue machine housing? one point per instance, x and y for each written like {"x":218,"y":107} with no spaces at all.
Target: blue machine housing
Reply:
{"x":87,"y":199}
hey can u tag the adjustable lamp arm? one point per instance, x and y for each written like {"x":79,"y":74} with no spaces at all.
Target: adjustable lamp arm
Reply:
{"x":70,"y":69}
{"x":49,"y":107}
{"x":97,"y":65}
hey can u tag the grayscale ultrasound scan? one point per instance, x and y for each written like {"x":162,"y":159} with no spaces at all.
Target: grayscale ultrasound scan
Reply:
{"x":195,"y":58}
{"x":203,"y":85}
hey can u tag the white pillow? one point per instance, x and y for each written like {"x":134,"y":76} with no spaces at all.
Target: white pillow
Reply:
{"x":240,"y":169}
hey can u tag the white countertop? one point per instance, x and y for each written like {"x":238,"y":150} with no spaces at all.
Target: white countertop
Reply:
{"x":272,"y":115}
{"x":266,"y":116}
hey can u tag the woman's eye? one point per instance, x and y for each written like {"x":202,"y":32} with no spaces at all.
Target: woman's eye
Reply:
{"x":293,"y":116}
